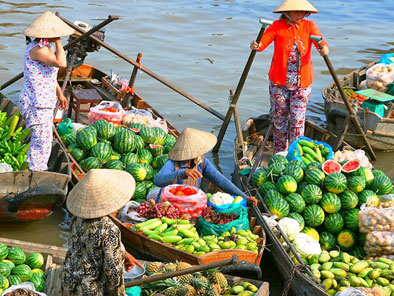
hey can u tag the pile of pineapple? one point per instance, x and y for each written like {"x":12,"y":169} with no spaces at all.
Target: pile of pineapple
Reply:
{"x":207,"y":283}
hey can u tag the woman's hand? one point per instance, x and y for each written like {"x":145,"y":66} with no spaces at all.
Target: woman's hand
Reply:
{"x":63,"y":102}
{"x":251,"y":200}
{"x":254,"y":45}
{"x":54,"y":40}
{"x":193,"y":173}
{"x":130,"y":261}
{"x":324,"y":51}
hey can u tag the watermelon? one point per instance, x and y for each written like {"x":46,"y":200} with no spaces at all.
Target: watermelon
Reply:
{"x":312,"y":232}
{"x":114,"y":164}
{"x":137,"y":126}
{"x":351,"y":166}
{"x":115,"y":155}
{"x":35,"y":260}
{"x":275,"y":170}
{"x":146,"y":134}
{"x":279,"y":208}
{"x":267,"y":186}
{"x":259,"y":177}
{"x":346,"y":239}
{"x":23,"y":271}
{"x":9,"y":263}
{"x":333,"y":223}
{"x":381,"y":185}
{"x":144,"y":156}
{"x":38,"y":282}
{"x":129,"y":158}
{"x":14,"y":280}
{"x":376,"y":173}
{"x":90,"y":163}
{"x":86,"y":137}
{"x":124,"y":141}
{"x":327,"y":241}
{"x":313,"y":215}
{"x":315,"y":176}
{"x":149,"y":171}
{"x":71,"y":147}
{"x":295,"y":171}
{"x":159,"y":136}
{"x":330,"y":203}
{"x":139,"y":143}
{"x":169,"y":142}
{"x":69,"y":139}
{"x":297,"y":163}
{"x":358,"y":252}
{"x":38,"y":271}
{"x":312,"y":165}
{"x":312,"y":194}
{"x":156,"y":150}
{"x":299,"y":219}
{"x":16,"y":255}
{"x":361,"y":238}
{"x":78,"y":154}
{"x":286,"y":184}
{"x":102,"y":151}
{"x":148,"y":185}
{"x":140,"y":191}
{"x":356,"y":184}
{"x":349,"y":200}
{"x":137,"y":170}
{"x":335,"y":183}
{"x":160,"y":161}
{"x":105,"y":130}
{"x":351,"y":219}
{"x":296,"y":202}
{"x":3,"y":251}
{"x":272,"y":195}
{"x":277,"y":158}
{"x":301,"y":186}
{"x":5,"y":269}
{"x":365,"y":173}
{"x":365,"y":195}
{"x":4,"y":284}
{"x":331,"y":166}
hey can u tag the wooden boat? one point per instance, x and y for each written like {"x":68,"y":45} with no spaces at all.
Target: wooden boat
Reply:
{"x":53,"y":259}
{"x":32,"y":195}
{"x":379,"y":131}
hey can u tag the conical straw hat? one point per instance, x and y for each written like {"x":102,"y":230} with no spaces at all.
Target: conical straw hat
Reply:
{"x":296,"y":5}
{"x":100,"y":192}
{"x":48,"y":25}
{"x":191,"y":144}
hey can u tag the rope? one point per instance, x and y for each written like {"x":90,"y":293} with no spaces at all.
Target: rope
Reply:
{"x":287,"y":285}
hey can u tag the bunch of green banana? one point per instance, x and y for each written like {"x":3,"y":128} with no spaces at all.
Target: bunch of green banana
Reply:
{"x":311,"y":151}
{"x":339,"y":270}
{"x":241,"y":289}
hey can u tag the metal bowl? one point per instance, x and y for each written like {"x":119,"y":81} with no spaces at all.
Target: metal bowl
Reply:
{"x":135,"y":273}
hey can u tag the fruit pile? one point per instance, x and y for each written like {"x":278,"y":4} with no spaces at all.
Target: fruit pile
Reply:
{"x":309,"y":151}
{"x":16,"y":268}
{"x":211,"y":216}
{"x":339,"y":270}
{"x":325,"y":203}
{"x":140,"y":151}
{"x":150,"y":209}
{"x":180,"y":190}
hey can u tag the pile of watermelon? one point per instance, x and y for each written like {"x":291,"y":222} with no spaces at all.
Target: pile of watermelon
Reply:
{"x":324,"y":198}
{"x":16,"y":267}
{"x":139,"y":150}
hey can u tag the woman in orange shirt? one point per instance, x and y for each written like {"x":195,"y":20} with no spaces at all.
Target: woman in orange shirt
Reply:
{"x":291,"y":72}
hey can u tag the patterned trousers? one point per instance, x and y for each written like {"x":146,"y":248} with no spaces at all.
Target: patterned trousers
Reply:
{"x":287,"y":105}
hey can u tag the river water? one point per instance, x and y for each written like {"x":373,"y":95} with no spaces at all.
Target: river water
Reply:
{"x":201,"y":47}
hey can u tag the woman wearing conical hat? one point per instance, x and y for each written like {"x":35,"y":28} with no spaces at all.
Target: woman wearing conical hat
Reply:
{"x":291,"y":72}
{"x":37,"y":99}
{"x":187,"y":164}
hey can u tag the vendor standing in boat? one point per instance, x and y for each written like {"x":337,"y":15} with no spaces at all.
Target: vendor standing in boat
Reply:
{"x":37,"y":99}
{"x":187,"y":164}
{"x":291,"y":72}
{"x":95,"y":261}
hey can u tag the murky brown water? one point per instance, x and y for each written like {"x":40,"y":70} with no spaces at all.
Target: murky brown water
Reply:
{"x":202,"y":47}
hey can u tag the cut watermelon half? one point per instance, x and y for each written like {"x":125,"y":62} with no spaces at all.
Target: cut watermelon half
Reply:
{"x":331,"y":166}
{"x":351,"y":166}
{"x":135,"y":130}
{"x":152,"y":146}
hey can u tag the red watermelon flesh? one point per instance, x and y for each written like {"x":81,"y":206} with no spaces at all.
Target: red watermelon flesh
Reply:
{"x":331,"y":166}
{"x":351,"y":166}
{"x":136,"y":130}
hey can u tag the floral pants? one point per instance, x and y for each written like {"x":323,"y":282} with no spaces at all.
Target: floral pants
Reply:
{"x":287,"y":105}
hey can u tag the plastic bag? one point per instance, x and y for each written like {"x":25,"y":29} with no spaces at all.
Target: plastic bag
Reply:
{"x":192,"y":204}
{"x":386,"y":58}
{"x":97,"y":113}
{"x":206,"y":228}
{"x":376,"y":291}
{"x":380,"y":76}
{"x":374,"y":219}
{"x":382,"y":202}
{"x":379,"y":243}
{"x":150,"y":120}
{"x":26,"y":286}
{"x":129,"y":214}
{"x":5,"y":168}
{"x":293,"y":152}
{"x":228,"y":206}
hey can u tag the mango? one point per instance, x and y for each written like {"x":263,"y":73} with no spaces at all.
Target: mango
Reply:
{"x":339,"y":272}
{"x":359,"y":266}
{"x":236,"y":289}
{"x":344,"y":283}
{"x":331,"y":292}
{"x":334,"y":254}
{"x":345,"y":257}
{"x":341,"y":265}
{"x":365,"y":272}
{"x":354,"y":281}
{"x":327,"y":283}
{"x":380,"y":265}
{"x":375,"y":273}
{"x":324,"y":257}
{"x":363,"y":282}
{"x":382,"y":281}
{"x":326,"y":274}
{"x":326,"y":266}
{"x":252,"y":288}
{"x":314,"y":259}
{"x":242,"y":241}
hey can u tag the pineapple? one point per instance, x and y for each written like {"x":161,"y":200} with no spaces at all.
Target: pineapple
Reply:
{"x":185,"y":279}
{"x":200,"y":282}
{"x":211,"y":291}
{"x":154,"y":267}
{"x":219,"y":279}
{"x":188,"y":290}
{"x":169,"y":267}
{"x":171,"y":291}
{"x":182,"y":265}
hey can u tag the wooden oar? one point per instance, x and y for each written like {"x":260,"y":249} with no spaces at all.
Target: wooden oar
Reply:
{"x":193,"y":269}
{"x":265,"y":23}
{"x":353,"y":115}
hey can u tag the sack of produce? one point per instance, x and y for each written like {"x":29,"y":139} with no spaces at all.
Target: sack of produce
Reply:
{"x":375,"y":219}
{"x":110,"y":111}
{"x":379,"y":243}
{"x":221,"y":201}
{"x":380,"y":76}
{"x":376,"y":291}
{"x":308,"y":150}
{"x":215,"y":223}
{"x":187,"y":199}
{"x":144,"y":117}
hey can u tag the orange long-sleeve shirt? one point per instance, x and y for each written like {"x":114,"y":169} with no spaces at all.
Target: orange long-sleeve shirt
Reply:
{"x":284,"y":36}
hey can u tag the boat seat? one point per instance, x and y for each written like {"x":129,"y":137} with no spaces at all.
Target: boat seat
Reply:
{"x":79,"y":97}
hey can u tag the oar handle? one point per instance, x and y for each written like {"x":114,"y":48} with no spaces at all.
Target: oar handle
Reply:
{"x":316,"y":38}
{"x":265,"y":22}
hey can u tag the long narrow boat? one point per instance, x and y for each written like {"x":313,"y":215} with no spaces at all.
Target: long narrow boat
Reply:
{"x":253,"y":131}
{"x":32,"y":195}
{"x":379,"y":131}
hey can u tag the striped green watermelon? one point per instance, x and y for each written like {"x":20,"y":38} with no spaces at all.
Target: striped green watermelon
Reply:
{"x":365,"y":173}
{"x":160,"y":161}
{"x":3,"y":251}
{"x":38,"y":282}
{"x":114,"y":164}
{"x":156,"y":150}
{"x":169,"y":142}
{"x":129,"y":158}
{"x":160,"y":136}
{"x":272,"y":195}
{"x":381,"y":185}
{"x":16,"y":255}
{"x":35,"y":260}
{"x":259,"y":177}
{"x":315,"y":176}
{"x":312,"y":232}
{"x":72,"y":146}
{"x":349,"y":200}
{"x":358,"y":252}
{"x":286,"y":184}
{"x":5,"y":269}
{"x":86,"y":137}
{"x":361,"y":238}
{"x":90,"y":163}
{"x":124,"y":141}
{"x":327,"y":241}
{"x":364,"y":195}
{"x":148,"y":184}
{"x":333,"y":223}
{"x":139,"y":143}
{"x":69,"y":139}
{"x":356,"y":184}
{"x":312,"y":165}
{"x":267,"y":186}
{"x":105,"y":130}
{"x":149,"y":171}
{"x":144,"y":156}
{"x":9,"y":263}
{"x":351,"y":219}
{"x":102,"y":151}
{"x":378,"y":173}
{"x":335,"y":183}
{"x":14,"y":280}
{"x":275,"y":170}
{"x":301,"y":186}
{"x":78,"y":154}
{"x":346,"y":239}
{"x":295,"y":171}
{"x":4,"y":284}
{"x":137,"y":170}
{"x":296,"y":202}
{"x":330,"y":203}
{"x":313,"y":215}
{"x":299,"y":219}
{"x":38,"y":271}
{"x":137,"y":126}
{"x":147,"y":134}
{"x":311,"y":193}
{"x":115,"y":155}
{"x":277,"y":158}
{"x":23,"y":271}
{"x":140,"y":191}
{"x":297,"y":163}
{"x":279,"y":208}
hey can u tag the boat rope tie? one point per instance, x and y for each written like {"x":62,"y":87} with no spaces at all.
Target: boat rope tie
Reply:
{"x":287,"y":285}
